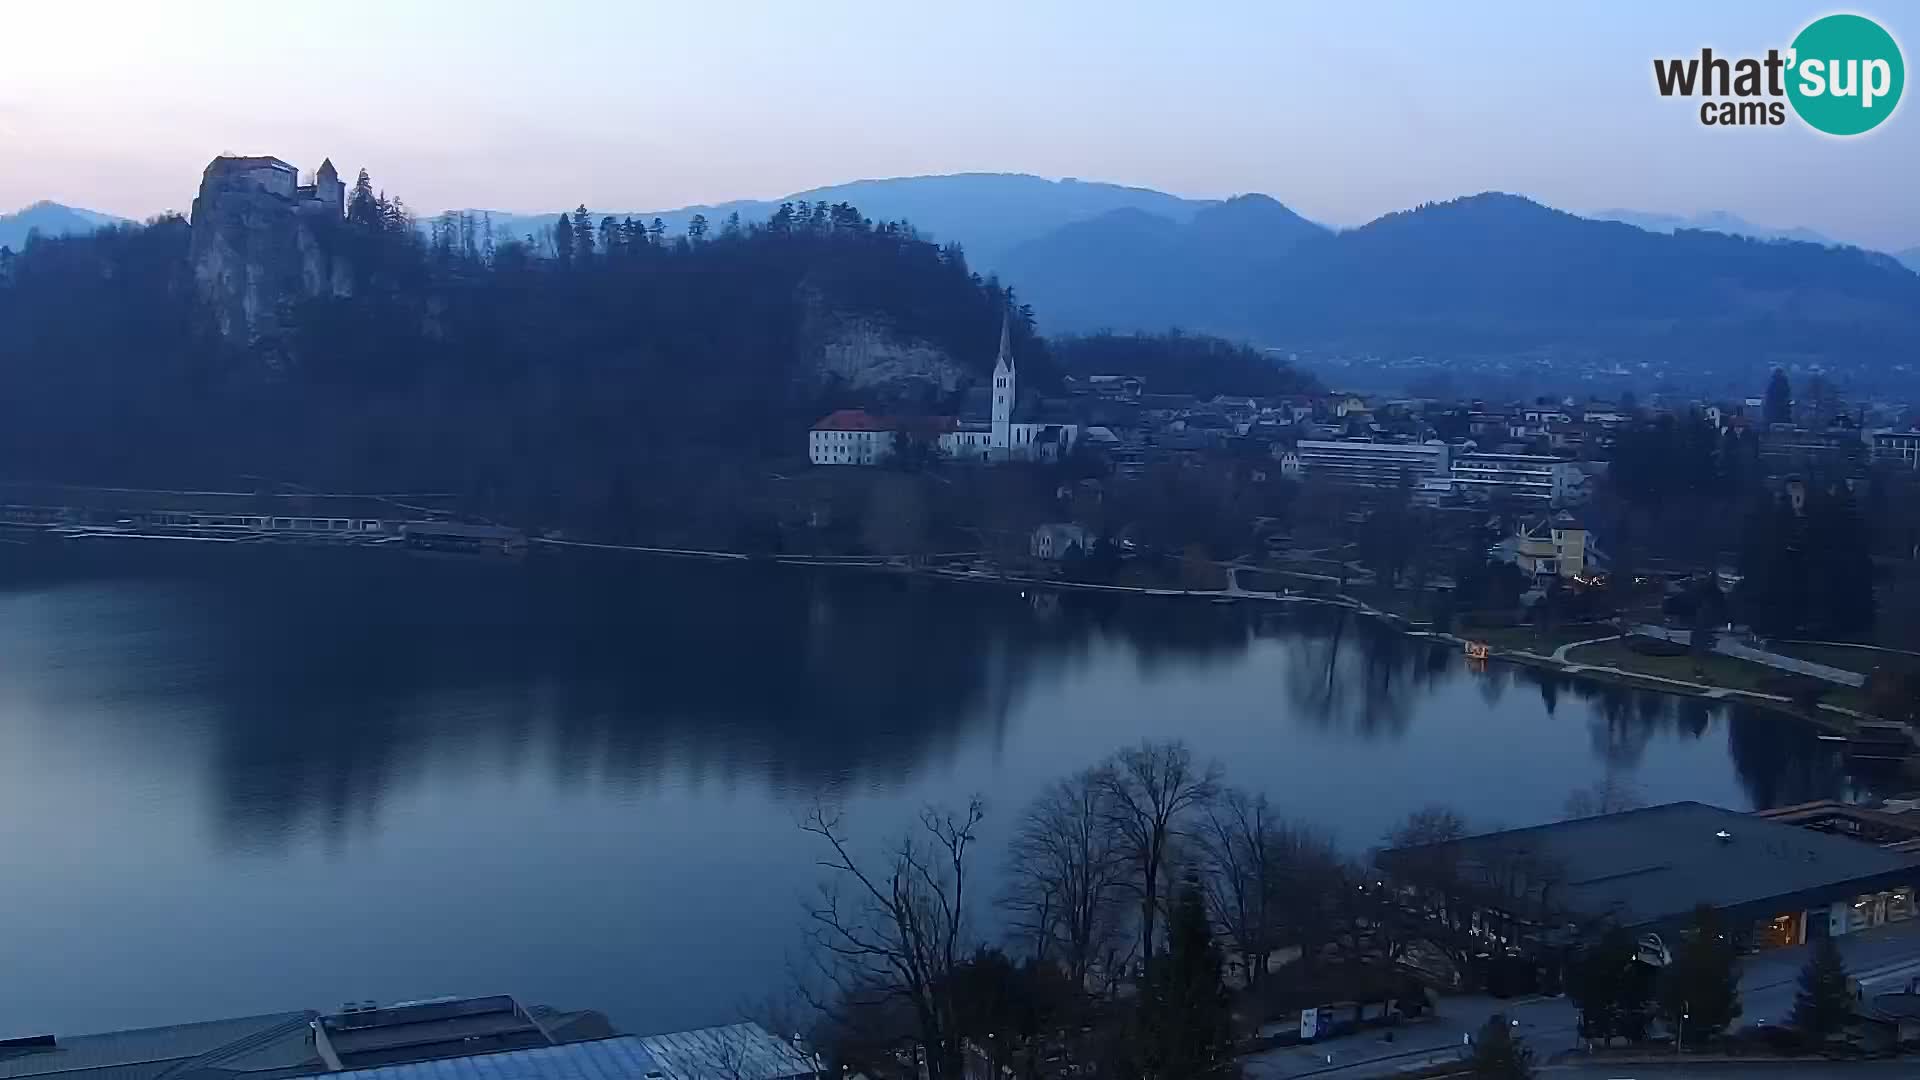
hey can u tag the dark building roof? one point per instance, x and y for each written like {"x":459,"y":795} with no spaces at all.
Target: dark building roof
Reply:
{"x":852,"y":420}
{"x":1655,"y":865}
{"x":242,"y":1046}
{"x":240,"y":163}
{"x":465,"y":1037}
{"x":428,"y":1030}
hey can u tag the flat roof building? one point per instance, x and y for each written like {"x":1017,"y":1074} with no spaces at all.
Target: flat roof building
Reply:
{"x":1650,"y":868}
{"x":487,"y":1038}
{"x":1901,"y":448}
{"x":1371,"y":464}
{"x":1520,"y":476}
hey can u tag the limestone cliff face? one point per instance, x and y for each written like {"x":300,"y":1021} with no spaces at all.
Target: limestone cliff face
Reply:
{"x":253,"y":253}
{"x":865,"y":354}
{"x":862,"y":352}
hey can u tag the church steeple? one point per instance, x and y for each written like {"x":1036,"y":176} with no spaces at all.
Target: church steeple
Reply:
{"x":1000,"y":442}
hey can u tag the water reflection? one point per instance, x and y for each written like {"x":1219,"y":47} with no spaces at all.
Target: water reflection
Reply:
{"x":597,"y":759}
{"x":337,"y":678}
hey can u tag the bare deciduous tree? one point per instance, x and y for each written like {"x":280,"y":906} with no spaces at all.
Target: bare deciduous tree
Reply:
{"x":1150,"y":789}
{"x":893,"y":936}
{"x":1241,"y":855}
{"x":1066,"y":871}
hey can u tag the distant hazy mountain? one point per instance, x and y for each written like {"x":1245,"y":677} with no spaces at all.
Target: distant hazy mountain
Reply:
{"x":1150,"y":271}
{"x":1910,"y":258}
{"x":51,"y":219}
{"x":988,"y":213}
{"x":1490,"y":275}
{"x":1714,"y":221}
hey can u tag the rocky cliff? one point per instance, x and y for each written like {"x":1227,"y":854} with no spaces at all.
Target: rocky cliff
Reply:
{"x":864,"y":354}
{"x":254,"y":252}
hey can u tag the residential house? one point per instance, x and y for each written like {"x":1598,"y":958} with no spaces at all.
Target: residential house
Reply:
{"x":1107,"y":387}
{"x":1055,"y":541}
{"x":1553,"y":546}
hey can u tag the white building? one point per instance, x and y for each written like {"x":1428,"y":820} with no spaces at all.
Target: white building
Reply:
{"x":850,"y":437}
{"x":1902,"y":448}
{"x":1056,"y":540}
{"x":1525,"y":476}
{"x":1371,"y":464}
{"x":1011,"y":432}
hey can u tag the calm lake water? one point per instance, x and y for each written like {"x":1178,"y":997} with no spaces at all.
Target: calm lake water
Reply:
{"x":236,"y":780}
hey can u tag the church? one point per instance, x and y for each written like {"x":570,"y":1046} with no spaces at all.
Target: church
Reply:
{"x":996,"y":425}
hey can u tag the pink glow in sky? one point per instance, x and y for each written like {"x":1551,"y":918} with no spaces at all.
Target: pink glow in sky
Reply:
{"x":1342,"y":110}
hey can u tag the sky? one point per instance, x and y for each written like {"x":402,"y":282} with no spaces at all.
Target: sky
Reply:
{"x":1343,"y":110}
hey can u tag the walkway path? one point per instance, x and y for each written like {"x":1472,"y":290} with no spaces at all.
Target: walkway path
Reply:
{"x":1779,"y":661}
{"x":1560,"y":654}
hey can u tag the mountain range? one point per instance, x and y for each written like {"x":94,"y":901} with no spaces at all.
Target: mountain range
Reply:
{"x":50,"y":219}
{"x":1493,"y":280}
{"x":1712,"y":221}
{"x":988,"y":213}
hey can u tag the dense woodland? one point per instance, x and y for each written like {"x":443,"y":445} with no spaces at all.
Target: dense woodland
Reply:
{"x":1180,"y":363}
{"x":618,"y":360}
{"x":600,"y":373}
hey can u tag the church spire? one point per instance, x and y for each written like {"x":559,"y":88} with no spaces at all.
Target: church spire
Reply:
{"x":1006,"y":338}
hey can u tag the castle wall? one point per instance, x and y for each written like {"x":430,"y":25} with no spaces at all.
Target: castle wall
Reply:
{"x":278,"y":181}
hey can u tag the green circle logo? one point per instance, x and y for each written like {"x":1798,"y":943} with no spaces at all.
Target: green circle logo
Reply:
{"x":1846,"y":74}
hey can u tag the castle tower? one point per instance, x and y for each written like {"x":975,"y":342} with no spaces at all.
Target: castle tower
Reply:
{"x":329,"y":190}
{"x":1003,"y":390}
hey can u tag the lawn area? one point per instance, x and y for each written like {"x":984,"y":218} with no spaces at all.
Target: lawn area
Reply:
{"x":1843,"y":657}
{"x":1712,"y":669}
{"x":1274,"y":580}
{"x":1534,"y":639}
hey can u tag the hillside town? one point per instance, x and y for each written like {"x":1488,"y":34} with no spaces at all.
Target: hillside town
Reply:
{"x":1530,"y":524}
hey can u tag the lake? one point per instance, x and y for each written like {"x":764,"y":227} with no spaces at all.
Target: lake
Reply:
{"x":237,"y":779}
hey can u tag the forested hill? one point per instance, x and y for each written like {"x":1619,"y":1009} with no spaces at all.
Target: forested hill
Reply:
{"x":1490,"y":275}
{"x":479,"y":368}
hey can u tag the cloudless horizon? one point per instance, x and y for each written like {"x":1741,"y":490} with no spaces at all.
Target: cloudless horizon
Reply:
{"x":1343,"y":113}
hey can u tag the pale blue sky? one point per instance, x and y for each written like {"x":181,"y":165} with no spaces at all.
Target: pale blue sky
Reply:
{"x":1343,"y":110}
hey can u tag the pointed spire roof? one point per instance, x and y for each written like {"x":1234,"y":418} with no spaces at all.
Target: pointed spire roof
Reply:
{"x":1006,"y":339}
{"x":327,"y":169}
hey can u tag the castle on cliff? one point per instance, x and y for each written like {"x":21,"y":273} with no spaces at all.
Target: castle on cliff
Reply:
{"x":275,"y":177}
{"x":261,"y":241}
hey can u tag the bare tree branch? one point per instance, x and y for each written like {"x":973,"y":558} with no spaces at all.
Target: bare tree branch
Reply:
{"x":1150,"y":789}
{"x":897,"y":935}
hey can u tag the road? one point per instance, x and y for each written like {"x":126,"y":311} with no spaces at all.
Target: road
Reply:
{"x":1882,"y":959}
{"x":1742,"y":1070}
